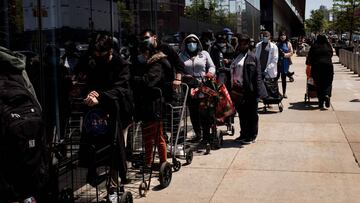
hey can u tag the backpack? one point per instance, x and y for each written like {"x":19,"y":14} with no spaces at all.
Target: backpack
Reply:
{"x":22,"y":138}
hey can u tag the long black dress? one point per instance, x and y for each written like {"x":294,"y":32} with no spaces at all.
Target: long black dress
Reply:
{"x":322,"y":69}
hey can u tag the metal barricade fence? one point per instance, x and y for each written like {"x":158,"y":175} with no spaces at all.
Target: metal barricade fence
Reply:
{"x":350,"y":60}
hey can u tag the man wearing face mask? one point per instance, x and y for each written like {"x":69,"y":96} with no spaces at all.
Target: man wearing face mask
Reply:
{"x":247,"y":86}
{"x":149,"y":37}
{"x":107,"y":82}
{"x":267,"y":53}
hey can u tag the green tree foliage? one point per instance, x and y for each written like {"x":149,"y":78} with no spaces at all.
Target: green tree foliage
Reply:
{"x":209,"y":12}
{"x":126,"y":16}
{"x":346,"y":16}
{"x":317,"y":22}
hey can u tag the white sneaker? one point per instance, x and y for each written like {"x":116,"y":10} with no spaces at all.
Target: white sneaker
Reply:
{"x":113,"y":198}
{"x":29,"y":200}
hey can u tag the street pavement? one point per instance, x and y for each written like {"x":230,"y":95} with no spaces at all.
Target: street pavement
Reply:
{"x":302,"y":154}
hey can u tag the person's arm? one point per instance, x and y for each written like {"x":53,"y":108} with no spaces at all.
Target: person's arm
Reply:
{"x":210,"y":67}
{"x":271,"y":68}
{"x":291,"y":51}
{"x":309,"y":57}
{"x":121,"y":82}
{"x":176,"y":63}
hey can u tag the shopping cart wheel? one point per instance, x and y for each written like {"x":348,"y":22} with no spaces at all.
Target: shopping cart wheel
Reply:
{"x":189,"y":156}
{"x":176,"y":165}
{"x":143,"y":189}
{"x":165,"y":174}
{"x":126,"y":197}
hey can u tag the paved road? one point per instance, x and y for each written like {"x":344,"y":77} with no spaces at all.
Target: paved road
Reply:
{"x":302,"y":154}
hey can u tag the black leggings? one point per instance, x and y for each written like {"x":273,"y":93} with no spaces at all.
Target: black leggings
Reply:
{"x":283,"y":81}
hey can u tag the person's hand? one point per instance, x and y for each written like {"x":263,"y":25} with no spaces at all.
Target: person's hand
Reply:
{"x":93,"y":94}
{"x":176,"y":83}
{"x":209,"y":75}
{"x":91,"y":99}
{"x":226,"y":61}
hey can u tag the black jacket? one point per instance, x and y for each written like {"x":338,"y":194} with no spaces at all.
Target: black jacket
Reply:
{"x":252,"y":79}
{"x":112,"y":81}
{"x":228,"y":54}
{"x":172,"y":57}
{"x":147,"y":79}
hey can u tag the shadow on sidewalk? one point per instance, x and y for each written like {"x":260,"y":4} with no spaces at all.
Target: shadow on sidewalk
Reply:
{"x":312,"y":105}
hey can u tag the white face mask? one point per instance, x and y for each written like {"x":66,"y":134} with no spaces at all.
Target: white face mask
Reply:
{"x":266,"y":39}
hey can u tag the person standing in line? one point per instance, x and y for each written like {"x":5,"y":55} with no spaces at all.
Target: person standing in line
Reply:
{"x":108,"y":81}
{"x":285,"y":53}
{"x":247,"y":87}
{"x":198,"y":64}
{"x":151,"y":38}
{"x":152,"y":72}
{"x":322,"y":69}
{"x":267,"y":53}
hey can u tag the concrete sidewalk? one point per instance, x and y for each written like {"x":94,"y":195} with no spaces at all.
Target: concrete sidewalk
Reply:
{"x":301,"y":155}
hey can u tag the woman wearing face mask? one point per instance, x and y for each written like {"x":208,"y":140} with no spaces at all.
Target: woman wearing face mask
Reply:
{"x":285,"y":53}
{"x":198,"y":64}
{"x":151,"y":72}
{"x":247,"y":86}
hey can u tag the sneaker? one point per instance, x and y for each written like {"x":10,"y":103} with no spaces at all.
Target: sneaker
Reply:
{"x":29,"y":200}
{"x":114,"y":198}
{"x":291,"y":79}
{"x":327,"y":101}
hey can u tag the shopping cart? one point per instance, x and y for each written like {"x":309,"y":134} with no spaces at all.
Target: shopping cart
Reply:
{"x":224,"y":78}
{"x":175,"y":127}
{"x":310,"y":86}
{"x":209,"y":97}
{"x":137,"y":156}
{"x":69,"y":177}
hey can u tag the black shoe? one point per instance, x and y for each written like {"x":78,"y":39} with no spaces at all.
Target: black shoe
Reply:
{"x":95,"y":180}
{"x":284,"y":96}
{"x":197,"y":138}
{"x":238,"y":139}
{"x":291,"y":79}
{"x":290,"y":74}
{"x":245,"y":142}
{"x":327,"y":101}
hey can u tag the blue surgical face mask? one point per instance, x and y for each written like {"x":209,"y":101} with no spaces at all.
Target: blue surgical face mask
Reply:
{"x":266,"y":39}
{"x":192,"y":46}
{"x":148,"y":41}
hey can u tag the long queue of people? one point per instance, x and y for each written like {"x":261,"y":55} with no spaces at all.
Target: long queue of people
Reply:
{"x":124,"y":87}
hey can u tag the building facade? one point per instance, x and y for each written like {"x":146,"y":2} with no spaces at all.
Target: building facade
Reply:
{"x":283,"y":15}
